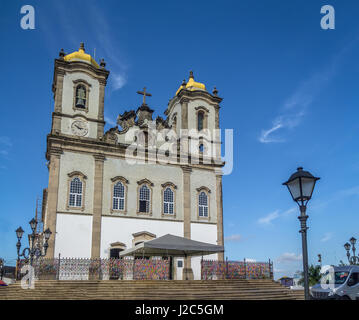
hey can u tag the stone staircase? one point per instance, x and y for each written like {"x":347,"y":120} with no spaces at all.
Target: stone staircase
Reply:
{"x":263,"y":289}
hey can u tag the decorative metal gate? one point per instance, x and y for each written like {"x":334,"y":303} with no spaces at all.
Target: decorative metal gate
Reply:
{"x":215,"y":270}
{"x":99,"y":269}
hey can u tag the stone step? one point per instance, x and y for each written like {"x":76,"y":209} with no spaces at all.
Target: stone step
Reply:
{"x":263,"y":289}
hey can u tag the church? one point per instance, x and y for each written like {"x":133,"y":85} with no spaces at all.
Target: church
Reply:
{"x":145,"y":178}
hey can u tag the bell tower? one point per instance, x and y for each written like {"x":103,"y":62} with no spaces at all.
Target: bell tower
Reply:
{"x":79,"y":90}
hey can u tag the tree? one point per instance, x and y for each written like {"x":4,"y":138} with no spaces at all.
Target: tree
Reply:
{"x":314,"y":276}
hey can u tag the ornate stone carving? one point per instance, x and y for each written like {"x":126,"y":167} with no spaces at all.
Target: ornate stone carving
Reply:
{"x":126,"y":120}
{"x":111,"y":136}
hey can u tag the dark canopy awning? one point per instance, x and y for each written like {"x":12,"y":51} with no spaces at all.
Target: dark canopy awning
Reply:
{"x":170,"y":245}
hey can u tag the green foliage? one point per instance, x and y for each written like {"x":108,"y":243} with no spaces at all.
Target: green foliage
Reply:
{"x":314,"y":276}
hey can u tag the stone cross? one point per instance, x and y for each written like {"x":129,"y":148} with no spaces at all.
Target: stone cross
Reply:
{"x":144,"y":93}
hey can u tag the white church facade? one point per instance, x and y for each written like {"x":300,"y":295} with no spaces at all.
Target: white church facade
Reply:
{"x":103,"y":194}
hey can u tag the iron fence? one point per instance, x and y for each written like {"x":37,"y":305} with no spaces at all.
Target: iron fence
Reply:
{"x":215,"y":270}
{"x":98,"y":269}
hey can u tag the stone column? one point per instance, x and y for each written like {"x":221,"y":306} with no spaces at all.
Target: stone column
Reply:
{"x":219,"y":200}
{"x":52,"y":198}
{"x":97,"y":206}
{"x":184,"y":144}
{"x":187,"y":270}
{"x":101,"y":102}
{"x":58,"y":89}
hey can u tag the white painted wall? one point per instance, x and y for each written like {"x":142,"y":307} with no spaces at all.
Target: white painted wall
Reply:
{"x":67,"y":103}
{"x":115,"y":229}
{"x":192,"y":118}
{"x":204,"y":233}
{"x":73,"y":236}
{"x":70,"y":162}
{"x":66,"y":124}
{"x":203,"y":178}
{"x":68,"y":94}
{"x":157,"y":174}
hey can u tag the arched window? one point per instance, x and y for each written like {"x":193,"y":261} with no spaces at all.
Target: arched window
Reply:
{"x":75,"y":197}
{"x":203,"y":204}
{"x":144,"y":199}
{"x":118,"y":196}
{"x":200,"y":119}
{"x":81,"y":96}
{"x":168,"y":201}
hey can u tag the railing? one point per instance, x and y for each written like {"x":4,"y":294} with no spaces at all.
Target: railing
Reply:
{"x":99,"y":269}
{"x":220,"y":270}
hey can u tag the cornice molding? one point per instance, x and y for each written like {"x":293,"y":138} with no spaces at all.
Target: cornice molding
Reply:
{"x":201,"y":108}
{"x":120,"y":178}
{"x":91,"y":145}
{"x":191,"y":95}
{"x":55,"y":151}
{"x":77,"y":173}
{"x":60,"y":114}
{"x":143,"y":181}
{"x":76,"y":81}
{"x":169,"y":184}
{"x":99,"y":157}
{"x":203,"y":188}
{"x":73,"y":66}
{"x":186,"y":169}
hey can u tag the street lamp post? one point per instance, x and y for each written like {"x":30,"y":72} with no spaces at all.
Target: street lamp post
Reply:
{"x":301,"y":185}
{"x":320,"y":259}
{"x":32,"y":251}
{"x":354,"y":259}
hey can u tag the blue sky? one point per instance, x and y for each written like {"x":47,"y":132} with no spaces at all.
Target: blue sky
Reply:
{"x":290,"y":93}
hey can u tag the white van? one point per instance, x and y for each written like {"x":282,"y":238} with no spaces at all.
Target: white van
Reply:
{"x":341,"y":283}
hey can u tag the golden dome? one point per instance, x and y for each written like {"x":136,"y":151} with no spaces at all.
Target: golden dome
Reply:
{"x":191,"y":84}
{"x":81,"y":55}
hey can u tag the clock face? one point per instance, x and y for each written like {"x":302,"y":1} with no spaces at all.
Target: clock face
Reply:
{"x":79,"y":128}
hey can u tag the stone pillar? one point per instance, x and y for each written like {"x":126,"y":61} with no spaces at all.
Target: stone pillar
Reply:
{"x":184,"y":144}
{"x":97,"y":206}
{"x":101,"y":102}
{"x":57,"y":89}
{"x":52,"y":198}
{"x":219,"y":200}
{"x":187,"y":269}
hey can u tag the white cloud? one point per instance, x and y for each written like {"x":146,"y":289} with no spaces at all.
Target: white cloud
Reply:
{"x":118,"y":81}
{"x":110,"y":121}
{"x":327,"y":236}
{"x":290,"y":211}
{"x":289,"y":257}
{"x":233,"y":238}
{"x":289,"y":121}
{"x":264,"y":137}
{"x":269,"y":218}
{"x":250,"y":260}
{"x":294,"y":108}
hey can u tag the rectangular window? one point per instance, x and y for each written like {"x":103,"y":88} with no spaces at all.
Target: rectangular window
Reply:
{"x":143,"y":206}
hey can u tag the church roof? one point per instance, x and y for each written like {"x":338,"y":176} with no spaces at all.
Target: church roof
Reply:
{"x":80,"y":55}
{"x":191,"y":84}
